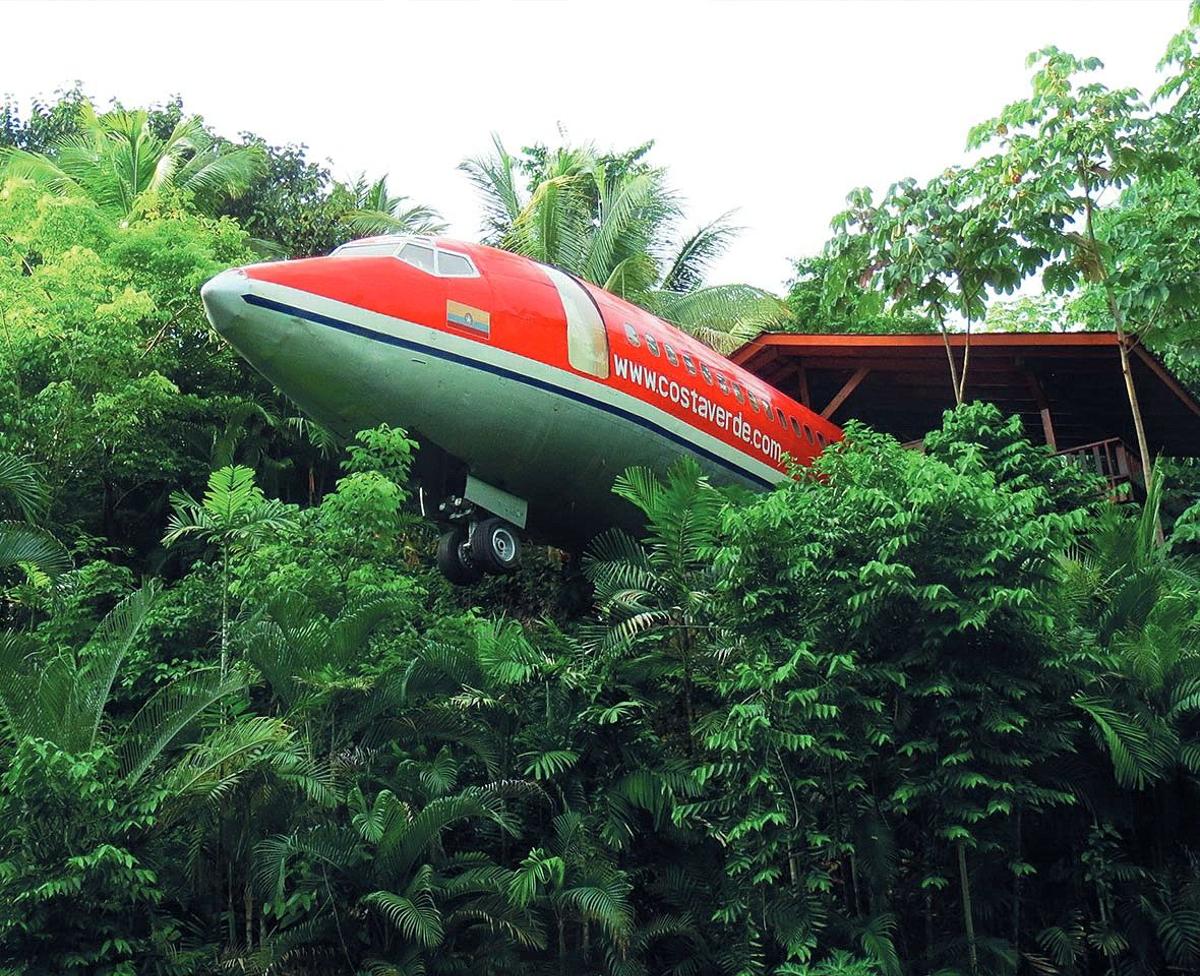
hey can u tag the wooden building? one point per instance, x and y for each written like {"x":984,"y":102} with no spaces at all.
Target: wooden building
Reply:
{"x":1066,"y":386}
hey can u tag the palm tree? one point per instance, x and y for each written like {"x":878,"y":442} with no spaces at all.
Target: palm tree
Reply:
{"x":1138,"y":769}
{"x":21,"y":542}
{"x":373,"y":210}
{"x":116,"y":158}
{"x":577,"y":883}
{"x":62,"y":698}
{"x":660,"y":592}
{"x":613,"y":221}
{"x":1147,"y":601}
{"x":389,"y":863}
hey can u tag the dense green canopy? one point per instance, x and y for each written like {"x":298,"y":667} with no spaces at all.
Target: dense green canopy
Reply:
{"x":908,"y":713}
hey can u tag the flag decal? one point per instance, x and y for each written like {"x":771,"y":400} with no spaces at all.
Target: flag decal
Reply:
{"x":467,"y":317}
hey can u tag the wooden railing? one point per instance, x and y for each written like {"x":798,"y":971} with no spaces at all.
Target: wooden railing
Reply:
{"x":1112,"y":460}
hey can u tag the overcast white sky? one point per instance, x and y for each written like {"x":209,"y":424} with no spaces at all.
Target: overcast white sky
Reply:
{"x":773,"y":108}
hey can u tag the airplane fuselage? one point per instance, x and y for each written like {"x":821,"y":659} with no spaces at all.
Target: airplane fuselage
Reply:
{"x":523,"y":377}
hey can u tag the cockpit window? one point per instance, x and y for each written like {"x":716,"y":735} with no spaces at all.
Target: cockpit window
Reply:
{"x":367,"y":249}
{"x":420,"y":252}
{"x":451,"y":265}
{"x":418,"y":256}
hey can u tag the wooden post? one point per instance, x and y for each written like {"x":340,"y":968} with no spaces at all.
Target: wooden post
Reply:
{"x":1043,"y":405}
{"x":849,"y":387}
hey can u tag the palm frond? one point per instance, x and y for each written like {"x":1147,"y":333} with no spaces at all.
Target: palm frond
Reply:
{"x":414,"y":913}
{"x":169,"y":713}
{"x":115,"y":635}
{"x":417,"y":219}
{"x":689,"y":267}
{"x":494,"y":177}
{"x":24,"y":543}
{"x":21,"y":482}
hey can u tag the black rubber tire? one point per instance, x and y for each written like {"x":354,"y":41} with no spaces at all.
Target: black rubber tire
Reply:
{"x":451,"y":551}
{"x":496,"y":546}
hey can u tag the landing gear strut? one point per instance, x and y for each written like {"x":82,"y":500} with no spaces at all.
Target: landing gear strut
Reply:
{"x":454,"y":557}
{"x":490,"y":545}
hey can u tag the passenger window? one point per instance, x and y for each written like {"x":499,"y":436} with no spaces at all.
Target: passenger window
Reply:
{"x":753,"y":400}
{"x":738,"y":395}
{"x":795,"y":426}
{"x":587,"y":340}
{"x":632,"y":336}
{"x":418,"y":256}
{"x":779,"y":417}
{"x":671,"y":357}
{"x":707,"y":374}
{"x":820,"y":438}
{"x":453,"y":265}
{"x":652,"y":344}
{"x":688,"y":364}
{"x":808,"y":433}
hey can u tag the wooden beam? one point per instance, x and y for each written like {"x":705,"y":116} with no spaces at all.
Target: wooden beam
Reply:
{"x":849,"y":387}
{"x":805,"y":398}
{"x":1043,"y":405}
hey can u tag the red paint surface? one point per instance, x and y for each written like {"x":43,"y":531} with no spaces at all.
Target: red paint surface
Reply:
{"x":527,"y":319}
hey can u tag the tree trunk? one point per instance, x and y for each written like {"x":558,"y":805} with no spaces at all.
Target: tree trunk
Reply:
{"x":1016,"y":912}
{"x":968,"y":918}
{"x":230,"y":911}
{"x":248,"y":899}
{"x":1135,"y":408}
{"x":962,"y":377}
{"x":1114,"y":310}
{"x":858,"y":909}
{"x":225,"y":613}
{"x":562,"y":946}
{"x":683,"y":642}
{"x":929,"y":926}
{"x":954,"y":384}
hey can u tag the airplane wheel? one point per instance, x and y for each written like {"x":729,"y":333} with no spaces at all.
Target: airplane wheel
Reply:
{"x":496,"y":546}
{"x":454,"y":558}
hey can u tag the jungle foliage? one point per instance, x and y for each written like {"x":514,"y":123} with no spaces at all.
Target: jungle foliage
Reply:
{"x":909,"y":713}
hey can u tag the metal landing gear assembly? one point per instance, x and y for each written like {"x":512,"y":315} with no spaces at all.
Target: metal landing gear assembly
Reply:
{"x":483,"y":534}
{"x":466,"y":552}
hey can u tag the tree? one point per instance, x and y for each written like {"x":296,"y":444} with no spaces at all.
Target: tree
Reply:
{"x":895,"y":667}
{"x":374,"y":211}
{"x":657,"y":595}
{"x":77,"y":798}
{"x":115,"y":159}
{"x":234,"y":515}
{"x":822,"y":297}
{"x":1060,"y":149}
{"x":939,"y":249}
{"x":612,"y":220}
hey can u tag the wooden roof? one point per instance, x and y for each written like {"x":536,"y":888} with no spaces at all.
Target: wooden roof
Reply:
{"x":901,"y":383}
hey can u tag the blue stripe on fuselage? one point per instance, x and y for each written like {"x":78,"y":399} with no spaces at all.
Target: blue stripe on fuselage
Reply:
{"x":358,"y":330}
